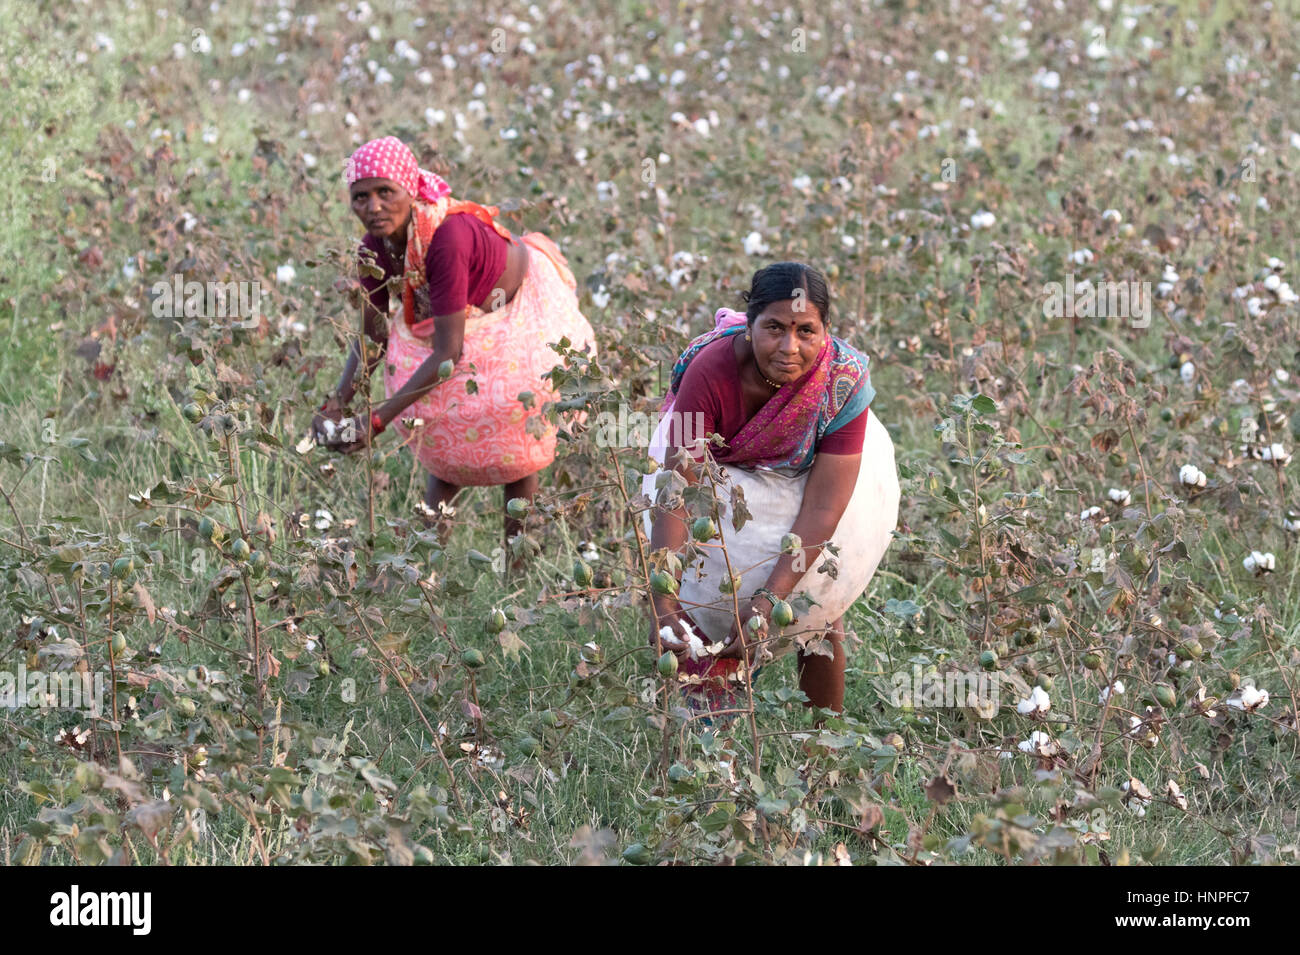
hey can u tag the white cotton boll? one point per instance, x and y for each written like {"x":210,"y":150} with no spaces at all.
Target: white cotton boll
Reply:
{"x":600,"y":297}
{"x":941,"y":56}
{"x":324,"y":520}
{"x":667,"y":636}
{"x":1118,"y":688}
{"x":285,"y":274}
{"x":802,"y":182}
{"x":1039,"y":743}
{"x":1037,"y":702}
{"x":1272,"y":282}
{"x":1170,"y":275}
{"x":1276,"y":453}
{"x":1088,"y":513}
{"x":1285,"y":295}
{"x":1291,"y":522}
{"x":1081,"y":256}
{"x":1112,"y":215}
{"x":308,"y":160}
{"x":1187,"y":372}
{"x":1120,"y":496}
{"x":754,"y":244}
{"x":702,"y":127}
{"x":382,"y":76}
{"x":1254,"y":306}
{"x":606,"y":191}
{"x":983,"y":219}
{"x":1191,"y":475}
{"x":1048,"y":79}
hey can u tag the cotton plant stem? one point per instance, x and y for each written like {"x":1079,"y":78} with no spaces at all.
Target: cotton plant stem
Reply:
{"x":665,"y":742}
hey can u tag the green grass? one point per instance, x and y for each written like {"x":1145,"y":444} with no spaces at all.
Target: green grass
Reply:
{"x":1045,"y":166}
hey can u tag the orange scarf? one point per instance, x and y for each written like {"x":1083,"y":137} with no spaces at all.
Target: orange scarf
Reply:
{"x":425,"y":219}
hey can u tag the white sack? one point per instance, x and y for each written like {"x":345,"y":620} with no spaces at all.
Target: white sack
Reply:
{"x":774,"y":498}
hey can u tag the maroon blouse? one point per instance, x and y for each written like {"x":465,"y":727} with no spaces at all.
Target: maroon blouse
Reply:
{"x":464,"y":262}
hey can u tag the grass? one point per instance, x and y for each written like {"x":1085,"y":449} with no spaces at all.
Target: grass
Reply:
{"x":1045,"y":165}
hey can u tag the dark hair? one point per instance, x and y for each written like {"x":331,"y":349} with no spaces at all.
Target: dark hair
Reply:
{"x":781,"y":282}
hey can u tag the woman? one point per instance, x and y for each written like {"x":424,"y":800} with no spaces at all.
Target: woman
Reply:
{"x":783,"y":394}
{"x":477,"y":302}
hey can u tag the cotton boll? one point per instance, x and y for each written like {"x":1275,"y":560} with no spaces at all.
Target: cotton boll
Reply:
{"x":1112,"y":215}
{"x":1187,"y":372}
{"x":1081,"y":256}
{"x":983,"y":219}
{"x":1037,"y":702}
{"x":1191,"y":476}
{"x":754,"y":244}
{"x":284,"y":274}
{"x":1119,"y":496}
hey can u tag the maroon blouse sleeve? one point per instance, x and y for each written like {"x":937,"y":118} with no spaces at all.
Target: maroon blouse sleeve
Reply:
{"x":848,"y":439}
{"x":447,"y":264}
{"x":376,"y":289}
{"x":698,"y":402}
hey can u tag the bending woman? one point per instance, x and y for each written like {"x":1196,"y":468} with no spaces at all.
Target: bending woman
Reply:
{"x":784,"y":394}
{"x":472,"y":294}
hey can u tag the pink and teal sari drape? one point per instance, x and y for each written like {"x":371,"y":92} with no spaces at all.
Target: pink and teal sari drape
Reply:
{"x":786,"y":430}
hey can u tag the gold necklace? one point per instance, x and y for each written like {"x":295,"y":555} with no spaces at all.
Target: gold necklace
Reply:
{"x":770,"y":382}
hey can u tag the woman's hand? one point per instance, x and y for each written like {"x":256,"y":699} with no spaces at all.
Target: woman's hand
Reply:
{"x":733,"y":646}
{"x":358,"y":429}
{"x":672,"y":617}
{"x":332,"y":410}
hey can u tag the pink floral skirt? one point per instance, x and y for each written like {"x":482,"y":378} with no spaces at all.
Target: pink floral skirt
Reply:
{"x":484,"y":437}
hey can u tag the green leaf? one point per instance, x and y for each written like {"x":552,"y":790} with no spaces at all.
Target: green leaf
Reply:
{"x":984,"y":404}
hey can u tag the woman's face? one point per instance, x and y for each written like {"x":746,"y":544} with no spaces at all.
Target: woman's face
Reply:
{"x":787,"y":341}
{"x":383,"y":207}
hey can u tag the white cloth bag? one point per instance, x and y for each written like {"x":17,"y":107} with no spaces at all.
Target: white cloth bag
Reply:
{"x":774,"y":498}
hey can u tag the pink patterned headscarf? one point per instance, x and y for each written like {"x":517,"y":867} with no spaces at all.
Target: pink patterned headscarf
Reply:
{"x":390,"y":158}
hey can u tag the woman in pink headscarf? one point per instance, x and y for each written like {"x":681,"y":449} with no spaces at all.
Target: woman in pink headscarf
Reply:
{"x":480,"y":307}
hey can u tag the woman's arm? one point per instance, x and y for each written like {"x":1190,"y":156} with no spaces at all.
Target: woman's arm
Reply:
{"x":825,"y":496}
{"x":448,"y":342}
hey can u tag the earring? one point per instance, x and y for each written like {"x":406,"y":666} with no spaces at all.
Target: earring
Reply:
{"x":747,"y":336}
